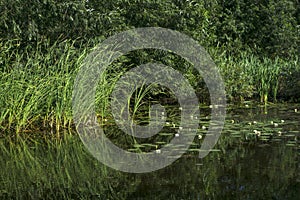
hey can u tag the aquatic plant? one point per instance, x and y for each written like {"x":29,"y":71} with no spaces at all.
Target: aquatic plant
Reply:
{"x":36,"y":83}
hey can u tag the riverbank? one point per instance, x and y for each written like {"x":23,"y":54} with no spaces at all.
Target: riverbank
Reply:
{"x":36,"y":84}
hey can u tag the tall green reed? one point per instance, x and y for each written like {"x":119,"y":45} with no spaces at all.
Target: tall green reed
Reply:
{"x":37,"y":86}
{"x":253,"y":77}
{"x":265,"y":76}
{"x":37,"y":81}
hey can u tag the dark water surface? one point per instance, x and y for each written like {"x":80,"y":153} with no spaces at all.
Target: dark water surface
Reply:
{"x":257,"y":157}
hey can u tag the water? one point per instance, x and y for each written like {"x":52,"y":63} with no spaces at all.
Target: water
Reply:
{"x":247,"y":165}
{"x":257,"y":157}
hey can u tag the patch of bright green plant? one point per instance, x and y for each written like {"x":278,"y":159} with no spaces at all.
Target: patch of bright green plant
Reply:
{"x":37,"y":82}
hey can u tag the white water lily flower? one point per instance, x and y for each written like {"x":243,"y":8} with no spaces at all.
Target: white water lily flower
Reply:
{"x":258,"y":133}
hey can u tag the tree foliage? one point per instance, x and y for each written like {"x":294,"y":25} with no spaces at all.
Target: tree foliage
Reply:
{"x":269,"y":27}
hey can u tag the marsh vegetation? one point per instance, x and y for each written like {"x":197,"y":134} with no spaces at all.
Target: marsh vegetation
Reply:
{"x":255,"y":46}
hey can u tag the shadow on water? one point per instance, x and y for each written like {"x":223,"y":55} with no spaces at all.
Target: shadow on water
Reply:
{"x":257,"y":157}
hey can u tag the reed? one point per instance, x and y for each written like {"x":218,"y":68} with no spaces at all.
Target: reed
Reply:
{"x":36,"y":86}
{"x":36,"y":82}
{"x":248,"y":76}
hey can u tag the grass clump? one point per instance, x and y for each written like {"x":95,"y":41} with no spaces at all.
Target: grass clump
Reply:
{"x":36,"y":83}
{"x":36,"y":86}
{"x":251,"y":77}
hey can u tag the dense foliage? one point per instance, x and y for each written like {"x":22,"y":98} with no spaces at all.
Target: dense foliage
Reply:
{"x":255,"y":44}
{"x":270,"y":26}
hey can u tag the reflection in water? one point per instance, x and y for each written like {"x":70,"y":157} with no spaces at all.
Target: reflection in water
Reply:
{"x":239,"y":173}
{"x":244,"y":165}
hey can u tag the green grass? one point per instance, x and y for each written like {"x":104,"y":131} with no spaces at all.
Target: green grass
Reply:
{"x":36,"y":82}
{"x":36,"y":86}
{"x":41,"y":161}
{"x":259,"y":78}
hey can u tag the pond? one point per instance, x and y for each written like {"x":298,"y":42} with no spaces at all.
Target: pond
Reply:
{"x":256,"y":157}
